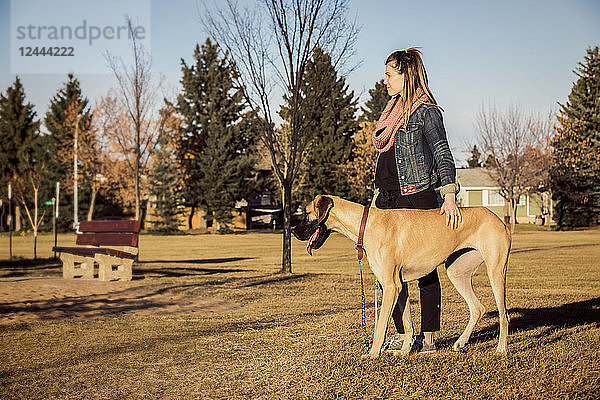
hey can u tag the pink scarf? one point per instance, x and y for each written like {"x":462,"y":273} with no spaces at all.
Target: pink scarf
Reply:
{"x":392,"y":118}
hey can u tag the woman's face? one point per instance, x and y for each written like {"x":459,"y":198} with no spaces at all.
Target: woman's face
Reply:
{"x":394,"y":81}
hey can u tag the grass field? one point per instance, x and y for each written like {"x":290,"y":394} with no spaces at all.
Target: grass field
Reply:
{"x":267,"y":335}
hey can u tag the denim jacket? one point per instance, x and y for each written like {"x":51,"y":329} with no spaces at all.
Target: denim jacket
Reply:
{"x":423,"y":156}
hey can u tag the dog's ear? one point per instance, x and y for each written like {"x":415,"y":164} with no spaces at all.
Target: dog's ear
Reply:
{"x":322,"y":204}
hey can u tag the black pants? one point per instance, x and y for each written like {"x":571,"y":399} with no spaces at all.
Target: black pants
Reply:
{"x":429,"y":285}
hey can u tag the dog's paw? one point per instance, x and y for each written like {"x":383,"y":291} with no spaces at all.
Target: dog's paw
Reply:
{"x":459,"y":344}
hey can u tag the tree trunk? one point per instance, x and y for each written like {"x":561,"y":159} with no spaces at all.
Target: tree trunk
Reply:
{"x":92,"y":203}
{"x":550,"y":210}
{"x":286,"y":262}
{"x":148,"y":213}
{"x":191,"y":217}
{"x":17,"y":223}
{"x":512,"y":212}
{"x":34,"y":223}
{"x":137,"y":185}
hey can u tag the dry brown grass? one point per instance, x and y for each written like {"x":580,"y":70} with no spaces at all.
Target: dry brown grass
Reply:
{"x":298,"y":336}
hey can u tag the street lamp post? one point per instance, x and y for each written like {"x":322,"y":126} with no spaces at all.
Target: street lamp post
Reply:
{"x":10,"y":218}
{"x":75,"y":199}
{"x":55,"y":211}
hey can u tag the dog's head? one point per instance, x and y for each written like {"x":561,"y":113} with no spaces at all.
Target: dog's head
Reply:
{"x":314,"y":228}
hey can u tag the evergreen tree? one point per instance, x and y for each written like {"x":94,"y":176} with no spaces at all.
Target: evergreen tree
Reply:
{"x":475,"y":160}
{"x":22,"y":159}
{"x":375,"y":105}
{"x":490,"y":162}
{"x":329,"y":109}
{"x":165,"y":183}
{"x":217,"y":138}
{"x":18,"y":132}
{"x":575,"y":178}
{"x":60,"y":142}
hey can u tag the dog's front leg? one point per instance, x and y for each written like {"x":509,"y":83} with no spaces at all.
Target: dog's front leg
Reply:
{"x":390,"y":296}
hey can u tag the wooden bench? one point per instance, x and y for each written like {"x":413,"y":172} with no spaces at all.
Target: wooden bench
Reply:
{"x":98,"y":240}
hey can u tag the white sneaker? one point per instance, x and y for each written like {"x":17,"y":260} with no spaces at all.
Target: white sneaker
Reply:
{"x":395,"y":343}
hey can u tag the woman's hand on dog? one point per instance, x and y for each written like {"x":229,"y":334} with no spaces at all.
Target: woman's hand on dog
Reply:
{"x":453,"y":217}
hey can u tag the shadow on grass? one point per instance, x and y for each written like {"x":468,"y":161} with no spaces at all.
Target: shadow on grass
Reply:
{"x":526,"y":319}
{"x":134,"y":299}
{"x":25,"y":267}
{"x":277,"y":278}
{"x":189,"y":334}
{"x":201,"y":261}
{"x":97,"y":305}
{"x":27,"y":263}
{"x":572,"y":246}
{"x":140,"y":271}
{"x":174,"y":272}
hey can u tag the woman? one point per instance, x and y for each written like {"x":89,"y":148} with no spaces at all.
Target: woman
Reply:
{"x":414,"y":157}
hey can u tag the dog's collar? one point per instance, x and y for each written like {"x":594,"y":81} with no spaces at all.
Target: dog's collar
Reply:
{"x":361,"y":233}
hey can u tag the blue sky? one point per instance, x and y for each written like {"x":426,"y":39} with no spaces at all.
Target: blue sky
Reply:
{"x":476,"y":52}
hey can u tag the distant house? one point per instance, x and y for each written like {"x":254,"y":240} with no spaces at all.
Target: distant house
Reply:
{"x":477,"y":188}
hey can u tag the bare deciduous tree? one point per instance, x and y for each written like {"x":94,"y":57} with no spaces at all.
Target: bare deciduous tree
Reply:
{"x":543,"y":129}
{"x":271,"y":45}
{"x":137,"y":96}
{"x":117,"y":156}
{"x":519,"y":164}
{"x":32,"y":176}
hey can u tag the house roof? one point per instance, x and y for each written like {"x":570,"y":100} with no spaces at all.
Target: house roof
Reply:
{"x":475,"y":177}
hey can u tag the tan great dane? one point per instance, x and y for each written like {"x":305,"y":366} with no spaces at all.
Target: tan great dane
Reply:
{"x":404,"y":245}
